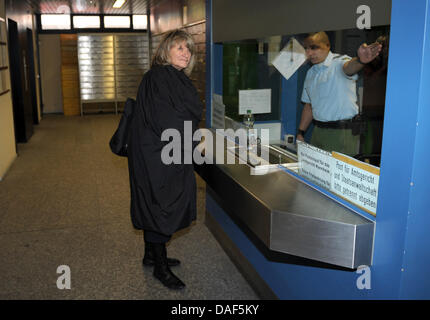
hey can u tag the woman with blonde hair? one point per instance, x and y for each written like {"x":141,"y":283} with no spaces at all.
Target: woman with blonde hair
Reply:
{"x":163,"y":196}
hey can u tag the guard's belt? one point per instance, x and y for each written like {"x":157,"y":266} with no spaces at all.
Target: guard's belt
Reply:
{"x":357,"y":124}
{"x":339,"y":124}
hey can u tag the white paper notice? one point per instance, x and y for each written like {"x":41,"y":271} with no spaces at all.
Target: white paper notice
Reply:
{"x":290,"y":58}
{"x":258,"y":101}
{"x":314,"y":164}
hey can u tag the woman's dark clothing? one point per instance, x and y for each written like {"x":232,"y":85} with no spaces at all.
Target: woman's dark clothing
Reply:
{"x":155,"y":237}
{"x":163,"y":197}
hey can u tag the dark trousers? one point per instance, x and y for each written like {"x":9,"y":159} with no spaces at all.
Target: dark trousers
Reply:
{"x":155,"y":237}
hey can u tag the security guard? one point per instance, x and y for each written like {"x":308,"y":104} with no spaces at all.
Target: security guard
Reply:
{"x":329,"y":94}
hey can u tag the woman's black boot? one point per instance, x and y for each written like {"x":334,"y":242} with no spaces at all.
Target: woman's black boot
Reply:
{"x":161,"y":268}
{"x":148,"y":258}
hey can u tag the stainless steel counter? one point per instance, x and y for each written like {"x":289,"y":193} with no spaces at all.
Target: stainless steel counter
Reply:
{"x":290,"y":217}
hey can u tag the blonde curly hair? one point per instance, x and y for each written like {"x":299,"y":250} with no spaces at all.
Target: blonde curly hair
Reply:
{"x":161,"y":56}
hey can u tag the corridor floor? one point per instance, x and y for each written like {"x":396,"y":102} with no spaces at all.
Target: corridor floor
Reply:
{"x":65,"y":202}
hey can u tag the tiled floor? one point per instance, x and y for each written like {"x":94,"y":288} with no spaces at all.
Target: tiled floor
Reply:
{"x":65,"y":201}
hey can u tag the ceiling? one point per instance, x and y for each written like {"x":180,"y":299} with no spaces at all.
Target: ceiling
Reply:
{"x":89,"y":6}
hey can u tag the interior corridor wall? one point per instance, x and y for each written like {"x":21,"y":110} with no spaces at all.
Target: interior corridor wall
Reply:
{"x":36,"y":68}
{"x":50,"y":71}
{"x":7,"y":134}
{"x":19,"y":19}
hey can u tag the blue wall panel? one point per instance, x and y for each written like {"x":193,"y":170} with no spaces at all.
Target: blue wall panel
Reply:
{"x":289,"y":105}
{"x":217,"y":72}
{"x":415,"y":281}
{"x":398,"y":147}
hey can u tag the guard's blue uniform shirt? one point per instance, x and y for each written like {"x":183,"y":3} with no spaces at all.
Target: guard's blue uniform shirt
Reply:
{"x":330,"y":91}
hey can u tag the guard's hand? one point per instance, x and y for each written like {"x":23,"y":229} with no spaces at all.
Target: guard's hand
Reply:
{"x":300,"y":138}
{"x":367,"y":53}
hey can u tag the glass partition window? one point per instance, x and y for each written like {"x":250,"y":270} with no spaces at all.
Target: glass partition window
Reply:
{"x":86,"y":22}
{"x":341,"y":153}
{"x":140,"y":21}
{"x":245,"y":67}
{"x":249,"y":64}
{"x":117,"y":21}
{"x":55,"y":21}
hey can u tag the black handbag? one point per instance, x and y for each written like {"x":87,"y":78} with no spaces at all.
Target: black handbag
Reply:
{"x":119,"y":141}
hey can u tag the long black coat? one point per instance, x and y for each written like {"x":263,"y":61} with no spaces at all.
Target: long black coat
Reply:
{"x":163,"y":197}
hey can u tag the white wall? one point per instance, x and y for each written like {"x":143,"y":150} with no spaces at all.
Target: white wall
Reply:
{"x":50,"y":71}
{"x":7,"y":133}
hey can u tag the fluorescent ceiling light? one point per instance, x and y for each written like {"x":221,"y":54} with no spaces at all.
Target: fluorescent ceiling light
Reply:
{"x":86,"y":21}
{"x":55,"y":21}
{"x":140,"y":21}
{"x":117,"y":21}
{"x":118,"y":3}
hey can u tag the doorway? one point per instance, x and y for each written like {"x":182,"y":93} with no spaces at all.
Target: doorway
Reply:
{"x":32,"y":76}
{"x":22,"y":113}
{"x":50,"y":73}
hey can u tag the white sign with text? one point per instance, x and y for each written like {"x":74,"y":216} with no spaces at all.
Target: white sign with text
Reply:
{"x":314,"y":164}
{"x":256,"y":100}
{"x":353,"y":180}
